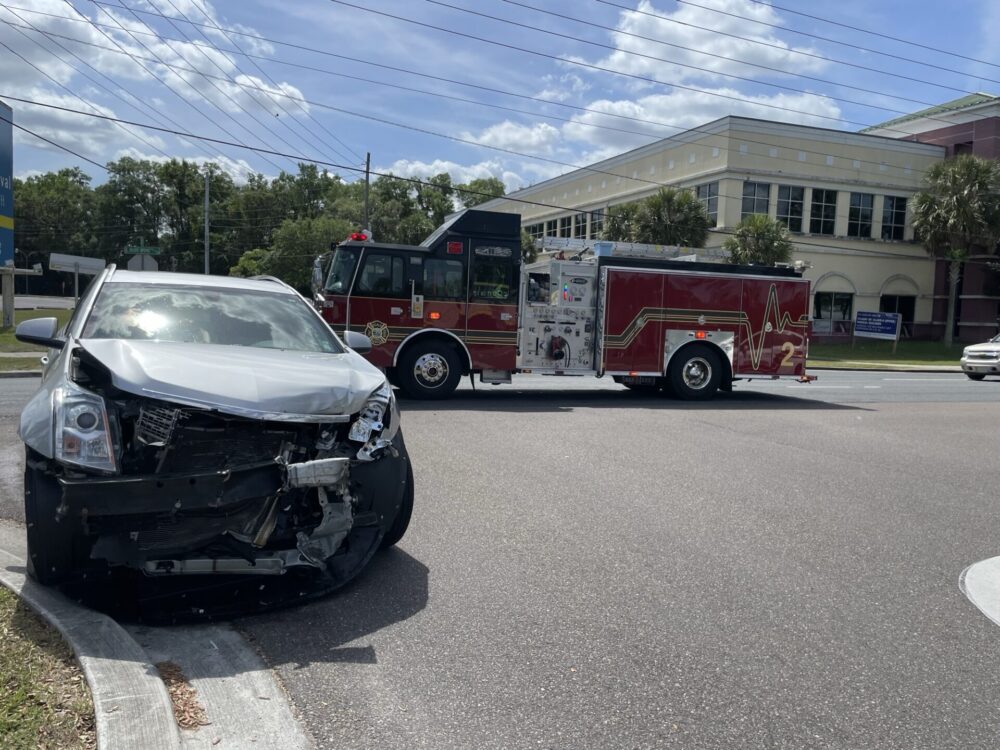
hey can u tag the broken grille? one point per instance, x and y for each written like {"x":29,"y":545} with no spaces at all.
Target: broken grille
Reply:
{"x":155,"y":425}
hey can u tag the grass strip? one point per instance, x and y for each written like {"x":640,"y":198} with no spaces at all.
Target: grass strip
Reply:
{"x":44,"y":699}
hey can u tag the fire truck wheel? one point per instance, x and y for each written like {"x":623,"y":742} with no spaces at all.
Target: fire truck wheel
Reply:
{"x":429,"y":370}
{"x":695,"y":373}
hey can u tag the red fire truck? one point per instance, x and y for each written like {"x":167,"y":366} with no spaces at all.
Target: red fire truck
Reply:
{"x":462,"y":303}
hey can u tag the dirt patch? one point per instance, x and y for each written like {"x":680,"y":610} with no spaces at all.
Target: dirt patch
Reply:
{"x":44,"y":698}
{"x":188,"y":712}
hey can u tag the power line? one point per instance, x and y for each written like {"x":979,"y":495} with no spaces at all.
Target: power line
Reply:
{"x":269,"y":78}
{"x":70,"y":91}
{"x":53,"y":143}
{"x":849,"y":45}
{"x":681,"y":129}
{"x":878,"y":34}
{"x":718,"y":57}
{"x":224,"y":93}
{"x":410,"y":180}
{"x":122,"y":50}
{"x":591,"y":66}
{"x":786,"y":50}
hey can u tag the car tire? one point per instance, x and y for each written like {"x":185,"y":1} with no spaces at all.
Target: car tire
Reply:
{"x":975,"y":375}
{"x":429,"y":371}
{"x":402,"y":520}
{"x":695,"y":373}
{"x":51,"y":540}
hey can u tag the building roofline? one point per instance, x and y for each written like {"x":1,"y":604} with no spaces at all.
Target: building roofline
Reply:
{"x":692,"y":135}
{"x":971,"y":101}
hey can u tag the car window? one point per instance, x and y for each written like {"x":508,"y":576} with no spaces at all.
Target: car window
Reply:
{"x":208,"y":315}
{"x":444,"y":279}
{"x":382,"y":275}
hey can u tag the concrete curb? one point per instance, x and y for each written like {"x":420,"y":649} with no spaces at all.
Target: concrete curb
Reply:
{"x":131,"y":705}
{"x":21,"y":374}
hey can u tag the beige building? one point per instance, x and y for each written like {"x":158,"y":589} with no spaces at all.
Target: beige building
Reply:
{"x":846,"y":197}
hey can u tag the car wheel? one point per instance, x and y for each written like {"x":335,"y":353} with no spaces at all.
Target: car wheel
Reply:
{"x":975,"y":375}
{"x":429,"y":371}
{"x":695,"y":373}
{"x":402,"y":520}
{"x":50,"y":538}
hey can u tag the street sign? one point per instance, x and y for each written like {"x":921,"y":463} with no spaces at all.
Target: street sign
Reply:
{"x":143,"y":262}
{"x":76,"y":263}
{"x":877,"y":325}
{"x":141,"y":250}
{"x":6,"y":184}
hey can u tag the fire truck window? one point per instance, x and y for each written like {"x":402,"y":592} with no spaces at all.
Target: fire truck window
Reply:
{"x":382,"y":275}
{"x":491,"y":274}
{"x":443,"y":279}
{"x":341,"y":271}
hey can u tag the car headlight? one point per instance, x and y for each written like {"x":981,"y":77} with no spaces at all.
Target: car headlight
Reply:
{"x":82,"y":431}
{"x":965,"y":352}
{"x":377,"y":423}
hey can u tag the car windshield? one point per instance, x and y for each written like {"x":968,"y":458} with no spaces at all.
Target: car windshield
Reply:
{"x":208,"y":315}
{"x":342,"y":270}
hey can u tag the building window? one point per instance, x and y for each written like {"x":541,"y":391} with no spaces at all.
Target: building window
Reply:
{"x":859,"y":220}
{"x":535,"y":231}
{"x":580,"y":226}
{"x":893,"y":217}
{"x":708,"y":194}
{"x":833,"y":312}
{"x":552,"y":228}
{"x":790,"y":202}
{"x":823,"y":213}
{"x":566,"y":226}
{"x":596,"y":224}
{"x":755,"y":198}
{"x":904,"y":304}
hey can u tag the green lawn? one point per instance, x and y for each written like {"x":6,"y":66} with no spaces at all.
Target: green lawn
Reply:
{"x":7,"y":341}
{"x":930,"y":353}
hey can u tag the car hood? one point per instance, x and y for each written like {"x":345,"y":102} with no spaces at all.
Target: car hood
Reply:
{"x":988,"y":347}
{"x":272,"y":384}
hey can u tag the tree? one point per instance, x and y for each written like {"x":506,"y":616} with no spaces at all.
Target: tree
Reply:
{"x":529,"y":253}
{"x":760,"y":240}
{"x":619,"y":222}
{"x":480,"y":190}
{"x":959,"y":212}
{"x":671,"y":217}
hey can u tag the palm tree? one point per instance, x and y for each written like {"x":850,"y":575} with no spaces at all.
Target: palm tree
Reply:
{"x":759,"y":239}
{"x":671,"y":217}
{"x":958,"y":212}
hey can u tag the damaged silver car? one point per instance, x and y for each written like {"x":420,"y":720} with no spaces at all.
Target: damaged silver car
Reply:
{"x":202,"y":424}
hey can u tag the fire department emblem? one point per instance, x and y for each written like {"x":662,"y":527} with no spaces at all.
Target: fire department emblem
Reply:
{"x":378,"y":332}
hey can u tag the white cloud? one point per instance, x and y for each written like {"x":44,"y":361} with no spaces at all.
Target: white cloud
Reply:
{"x":702,"y":32}
{"x":460,"y":173}
{"x":539,"y":138}
{"x":665,"y":115}
{"x":562,"y":88}
{"x":237,"y":169}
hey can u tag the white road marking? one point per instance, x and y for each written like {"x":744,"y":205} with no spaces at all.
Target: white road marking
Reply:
{"x":812,"y":387}
{"x":922,"y":380}
{"x":980,"y":582}
{"x":873,"y":386}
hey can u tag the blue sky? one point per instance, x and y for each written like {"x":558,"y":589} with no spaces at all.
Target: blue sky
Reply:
{"x":605,"y":76}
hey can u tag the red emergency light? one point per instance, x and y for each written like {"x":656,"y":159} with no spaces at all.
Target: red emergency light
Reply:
{"x":700,"y":335}
{"x":358,"y":237}
{"x":454,"y":248}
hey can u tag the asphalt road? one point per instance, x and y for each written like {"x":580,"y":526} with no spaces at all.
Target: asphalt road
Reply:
{"x":589,"y":568}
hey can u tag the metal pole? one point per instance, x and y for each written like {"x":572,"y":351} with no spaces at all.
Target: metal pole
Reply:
{"x":368,"y":167}
{"x":76,"y":282}
{"x":208,"y":172}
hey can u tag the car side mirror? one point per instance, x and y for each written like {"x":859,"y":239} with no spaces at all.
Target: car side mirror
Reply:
{"x":40,"y":331}
{"x":358,"y":342}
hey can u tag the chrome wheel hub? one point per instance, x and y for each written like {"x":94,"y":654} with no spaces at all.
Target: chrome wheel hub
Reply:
{"x":431,"y":369}
{"x":697,"y":373}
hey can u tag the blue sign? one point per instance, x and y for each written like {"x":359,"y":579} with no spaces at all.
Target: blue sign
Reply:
{"x":6,"y":184}
{"x":877,"y":325}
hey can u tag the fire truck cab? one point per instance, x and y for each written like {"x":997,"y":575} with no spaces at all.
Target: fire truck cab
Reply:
{"x":462,"y":303}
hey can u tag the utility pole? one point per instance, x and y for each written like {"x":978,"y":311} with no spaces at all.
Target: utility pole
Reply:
{"x":368,"y":167}
{"x":208,"y":174}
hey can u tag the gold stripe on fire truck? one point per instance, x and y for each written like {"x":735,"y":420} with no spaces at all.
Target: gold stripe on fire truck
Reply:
{"x":706,"y":317}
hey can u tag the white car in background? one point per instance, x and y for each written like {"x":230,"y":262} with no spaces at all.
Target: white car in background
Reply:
{"x":980,"y":360}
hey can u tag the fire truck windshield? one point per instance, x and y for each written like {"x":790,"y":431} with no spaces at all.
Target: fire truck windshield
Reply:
{"x":345,"y":260}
